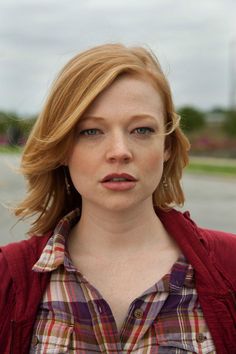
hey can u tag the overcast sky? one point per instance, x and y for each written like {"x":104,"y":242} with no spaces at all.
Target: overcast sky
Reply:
{"x":190,"y":37}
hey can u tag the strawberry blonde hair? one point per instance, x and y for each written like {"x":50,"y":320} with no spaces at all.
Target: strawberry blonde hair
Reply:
{"x":77,"y":85}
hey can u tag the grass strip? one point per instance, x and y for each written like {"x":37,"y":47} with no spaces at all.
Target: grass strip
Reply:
{"x":10,"y":149}
{"x":203,"y":168}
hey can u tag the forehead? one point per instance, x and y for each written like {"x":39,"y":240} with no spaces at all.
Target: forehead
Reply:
{"x":128,"y":94}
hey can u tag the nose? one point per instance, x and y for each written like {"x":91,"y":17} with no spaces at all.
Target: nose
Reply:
{"x":118,"y":149}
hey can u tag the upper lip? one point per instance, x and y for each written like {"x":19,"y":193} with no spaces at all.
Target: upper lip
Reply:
{"x":118,"y":175}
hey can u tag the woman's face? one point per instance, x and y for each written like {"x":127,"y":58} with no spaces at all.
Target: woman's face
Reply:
{"x":117,"y":158}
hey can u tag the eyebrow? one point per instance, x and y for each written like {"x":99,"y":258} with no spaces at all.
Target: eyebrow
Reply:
{"x":132,"y":118}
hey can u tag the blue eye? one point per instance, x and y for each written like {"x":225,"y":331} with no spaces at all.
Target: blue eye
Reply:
{"x":144,"y":130}
{"x":90,"y":132}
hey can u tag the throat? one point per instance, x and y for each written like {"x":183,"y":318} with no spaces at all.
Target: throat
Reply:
{"x":107,"y":231}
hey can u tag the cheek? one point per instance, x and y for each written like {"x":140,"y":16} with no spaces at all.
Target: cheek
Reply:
{"x":78,"y":163}
{"x":75,"y":166}
{"x":154,"y":158}
{"x":79,"y":172}
{"x":153,"y":167}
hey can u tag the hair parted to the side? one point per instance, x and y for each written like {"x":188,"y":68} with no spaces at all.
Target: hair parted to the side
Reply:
{"x":77,"y":85}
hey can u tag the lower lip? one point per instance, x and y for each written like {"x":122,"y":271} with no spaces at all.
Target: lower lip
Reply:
{"x":119,"y":186}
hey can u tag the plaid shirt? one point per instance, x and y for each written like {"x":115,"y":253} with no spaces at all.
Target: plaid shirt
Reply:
{"x":74,"y":318}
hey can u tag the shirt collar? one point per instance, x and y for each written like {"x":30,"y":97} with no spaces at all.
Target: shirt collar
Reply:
{"x":181,"y":274}
{"x":55,"y":253}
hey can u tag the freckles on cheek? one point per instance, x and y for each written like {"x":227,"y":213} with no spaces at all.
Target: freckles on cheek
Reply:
{"x":81,"y":164}
{"x":154,"y":158}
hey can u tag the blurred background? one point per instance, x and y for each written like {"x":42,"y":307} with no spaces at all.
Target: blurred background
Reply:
{"x":195,"y":42}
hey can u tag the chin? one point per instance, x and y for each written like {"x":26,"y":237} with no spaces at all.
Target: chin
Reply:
{"x":123,"y":205}
{"x":117,"y":205}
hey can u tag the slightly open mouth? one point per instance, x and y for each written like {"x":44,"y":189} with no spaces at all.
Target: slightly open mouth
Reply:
{"x":119,"y":179}
{"x":119,"y":184}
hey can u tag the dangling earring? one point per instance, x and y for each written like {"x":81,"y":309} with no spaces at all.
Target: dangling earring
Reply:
{"x":68,"y":186}
{"x":164,"y":182}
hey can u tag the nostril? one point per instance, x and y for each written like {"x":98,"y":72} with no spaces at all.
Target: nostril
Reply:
{"x":119,"y":156}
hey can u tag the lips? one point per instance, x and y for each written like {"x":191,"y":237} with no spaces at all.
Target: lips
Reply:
{"x":119,"y":182}
{"x":119,"y":177}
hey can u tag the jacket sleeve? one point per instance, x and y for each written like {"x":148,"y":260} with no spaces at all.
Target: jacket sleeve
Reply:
{"x":7,"y":305}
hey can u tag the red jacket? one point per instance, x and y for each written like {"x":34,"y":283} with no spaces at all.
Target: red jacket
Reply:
{"x":211,"y":253}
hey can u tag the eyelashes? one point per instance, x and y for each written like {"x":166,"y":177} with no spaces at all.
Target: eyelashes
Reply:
{"x":138,"y":131}
{"x":90,"y":132}
{"x":144,"y":130}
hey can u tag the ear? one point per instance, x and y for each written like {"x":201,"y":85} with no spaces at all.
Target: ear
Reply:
{"x":167,"y":154}
{"x":167,"y":148}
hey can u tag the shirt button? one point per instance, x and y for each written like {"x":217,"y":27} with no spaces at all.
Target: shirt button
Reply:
{"x":35,"y":341}
{"x":200,"y":338}
{"x":138,"y":313}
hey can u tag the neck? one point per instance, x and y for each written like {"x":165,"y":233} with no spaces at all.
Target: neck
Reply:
{"x":114,"y":232}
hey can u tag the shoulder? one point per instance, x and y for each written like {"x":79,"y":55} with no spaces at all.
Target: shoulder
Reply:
{"x":218,"y":238}
{"x":34,"y":245}
{"x":222,"y":245}
{"x":185,"y":230}
{"x":215,"y":240}
{"x":219,"y":242}
{"x":21,"y":255}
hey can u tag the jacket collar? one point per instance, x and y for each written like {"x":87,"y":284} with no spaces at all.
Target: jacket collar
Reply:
{"x":195,"y":247}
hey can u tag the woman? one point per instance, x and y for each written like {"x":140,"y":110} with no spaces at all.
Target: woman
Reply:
{"x":112,"y":266}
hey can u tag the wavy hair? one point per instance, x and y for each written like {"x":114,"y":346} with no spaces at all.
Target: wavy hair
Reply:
{"x":82,"y":79}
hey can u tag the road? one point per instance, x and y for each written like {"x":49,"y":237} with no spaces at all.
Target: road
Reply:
{"x":210,"y":200}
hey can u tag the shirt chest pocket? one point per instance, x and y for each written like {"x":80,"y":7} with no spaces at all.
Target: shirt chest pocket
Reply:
{"x":173,"y":343}
{"x":51,"y":336}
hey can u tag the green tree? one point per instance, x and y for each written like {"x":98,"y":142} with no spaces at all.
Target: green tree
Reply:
{"x":230,"y":123}
{"x":27,"y":124}
{"x":15,"y":127}
{"x":4,"y":122}
{"x":192,"y":119}
{"x":14,"y":132}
